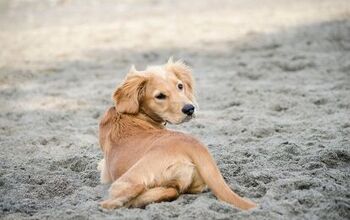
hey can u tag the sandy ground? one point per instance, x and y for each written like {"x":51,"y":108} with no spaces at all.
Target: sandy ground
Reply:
{"x":273,"y":83}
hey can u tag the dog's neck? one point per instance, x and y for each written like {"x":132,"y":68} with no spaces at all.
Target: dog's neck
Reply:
{"x":146,"y":119}
{"x":126,"y":125}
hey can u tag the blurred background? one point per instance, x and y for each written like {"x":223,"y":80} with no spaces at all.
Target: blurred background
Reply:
{"x":273,"y":85}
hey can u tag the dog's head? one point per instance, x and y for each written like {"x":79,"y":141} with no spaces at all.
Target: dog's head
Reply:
{"x":164,"y":93}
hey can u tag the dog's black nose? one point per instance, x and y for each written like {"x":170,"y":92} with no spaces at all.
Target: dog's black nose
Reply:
{"x":188,"y":109}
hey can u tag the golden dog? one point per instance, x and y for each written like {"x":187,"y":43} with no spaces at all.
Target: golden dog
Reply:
{"x":143,"y":160}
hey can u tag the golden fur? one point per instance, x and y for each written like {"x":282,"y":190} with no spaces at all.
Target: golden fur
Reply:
{"x":143,"y":160}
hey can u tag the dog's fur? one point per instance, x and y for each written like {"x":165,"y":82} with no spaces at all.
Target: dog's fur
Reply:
{"x":143,"y":160}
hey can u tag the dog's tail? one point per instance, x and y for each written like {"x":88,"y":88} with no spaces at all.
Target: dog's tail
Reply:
{"x":212,"y":177}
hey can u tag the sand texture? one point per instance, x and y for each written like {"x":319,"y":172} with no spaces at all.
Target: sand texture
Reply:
{"x":273,"y":85}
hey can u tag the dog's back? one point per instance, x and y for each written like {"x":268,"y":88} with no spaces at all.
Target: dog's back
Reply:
{"x":105,"y":126}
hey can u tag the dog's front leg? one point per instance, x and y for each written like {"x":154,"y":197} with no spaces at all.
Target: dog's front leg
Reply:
{"x":104,"y":176}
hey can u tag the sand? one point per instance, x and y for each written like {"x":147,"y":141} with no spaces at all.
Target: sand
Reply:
{"x":273,"y":85}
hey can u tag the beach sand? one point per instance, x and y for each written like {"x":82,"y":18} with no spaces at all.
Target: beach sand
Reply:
{"x":272,"y":81}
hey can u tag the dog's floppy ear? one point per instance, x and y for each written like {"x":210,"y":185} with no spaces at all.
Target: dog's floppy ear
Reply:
{"x":184,"y":73}
{"x":128,"y":95}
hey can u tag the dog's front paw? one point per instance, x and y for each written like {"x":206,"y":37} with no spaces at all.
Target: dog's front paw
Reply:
{"x":100,"y":165}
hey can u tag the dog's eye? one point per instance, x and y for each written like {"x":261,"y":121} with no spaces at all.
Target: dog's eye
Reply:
{"x":180,"y":86}
{"x":160,"y":96}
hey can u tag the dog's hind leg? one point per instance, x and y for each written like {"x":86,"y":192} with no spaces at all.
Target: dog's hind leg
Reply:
{"x":156,"y":170}
{"x":122,"y":192}
{"x":154,"y":195}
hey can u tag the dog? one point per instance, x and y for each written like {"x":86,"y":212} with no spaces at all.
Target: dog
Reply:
{"x":145,"y":162}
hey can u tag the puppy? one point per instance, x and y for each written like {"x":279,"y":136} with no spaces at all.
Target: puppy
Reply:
{"x":144,"y":161}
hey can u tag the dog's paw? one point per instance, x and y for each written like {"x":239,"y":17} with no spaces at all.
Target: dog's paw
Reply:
{"x":100,"y":165}
{"x":111,"y":204}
